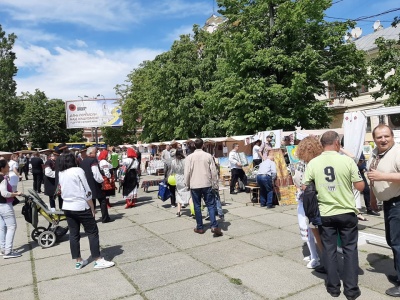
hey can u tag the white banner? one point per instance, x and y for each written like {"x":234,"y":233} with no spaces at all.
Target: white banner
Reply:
{"x":93,"y":113}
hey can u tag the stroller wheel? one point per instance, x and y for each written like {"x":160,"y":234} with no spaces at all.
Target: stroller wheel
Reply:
{"x":36,"y":232}
{"x":47,"y":239}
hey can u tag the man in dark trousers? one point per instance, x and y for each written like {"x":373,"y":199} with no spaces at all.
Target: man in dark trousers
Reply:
{"x":91,"y":167}
{"x":37,"y":172}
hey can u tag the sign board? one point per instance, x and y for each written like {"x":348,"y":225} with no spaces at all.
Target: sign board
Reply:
{"x":93,"y":113}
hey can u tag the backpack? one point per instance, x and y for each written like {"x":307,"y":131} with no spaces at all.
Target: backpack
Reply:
{"x":27,"y":211}
{"x":310,"y":201}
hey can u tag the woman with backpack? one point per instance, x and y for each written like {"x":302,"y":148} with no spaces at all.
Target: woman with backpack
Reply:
{"x":8,"y":223}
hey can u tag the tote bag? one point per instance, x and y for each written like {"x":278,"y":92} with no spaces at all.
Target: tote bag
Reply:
{"x":163,"y":191}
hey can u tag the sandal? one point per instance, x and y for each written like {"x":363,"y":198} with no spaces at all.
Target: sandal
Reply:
{"x":361,"y":217}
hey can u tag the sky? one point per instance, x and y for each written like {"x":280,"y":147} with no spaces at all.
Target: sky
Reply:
{"x":75,"y":48}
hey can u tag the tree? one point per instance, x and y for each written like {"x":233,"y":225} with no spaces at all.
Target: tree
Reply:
{"x":264,"y":68}
{"x":385,"y":70}
{"x":43,"y":121}
{"x":277,"y":56}
{"x":9,"y":128}
{"x":117,"y":135}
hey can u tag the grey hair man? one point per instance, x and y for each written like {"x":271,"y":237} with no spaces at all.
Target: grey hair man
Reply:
{"x":334,"y":176}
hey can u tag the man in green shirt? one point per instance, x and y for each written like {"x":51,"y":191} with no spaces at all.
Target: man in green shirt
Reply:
{"x":334,"y":176}
{"x":114,"y":162}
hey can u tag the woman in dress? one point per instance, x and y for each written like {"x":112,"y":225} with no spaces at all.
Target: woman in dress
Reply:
{"x":8,"y":223}
{"x":14,"y":174}
{"x":79,"y":210}
{"x":129,"y":178}
{"x":307,"y":149}
{"x":182,"y":193}
{"x":106,"y":169}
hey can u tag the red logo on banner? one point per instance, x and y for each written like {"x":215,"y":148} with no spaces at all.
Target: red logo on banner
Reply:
{"x":72,"y":107}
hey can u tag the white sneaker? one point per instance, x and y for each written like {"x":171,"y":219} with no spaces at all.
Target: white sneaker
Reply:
{"x":307,"y":258}
{"x":103,"y":264}
{"x":313,"y":264}
{"x":80,"y":264}
{"x":11,"y":255}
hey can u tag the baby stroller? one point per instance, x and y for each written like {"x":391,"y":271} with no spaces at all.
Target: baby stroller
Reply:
{"x":46,"y":237}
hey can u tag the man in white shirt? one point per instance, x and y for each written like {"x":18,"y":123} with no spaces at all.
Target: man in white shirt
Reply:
{"x":257,"y":155}
{"x":236,"y":168}
{"x":165,"y":155}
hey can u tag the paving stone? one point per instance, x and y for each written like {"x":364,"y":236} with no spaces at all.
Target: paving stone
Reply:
{"x":276,"y":219}
{"x":280,"y":280}
{"x":25,"y":293}
{"x":275,"y":240}
{"x":248,"y":211}
{"x":171,"y":225}
{"x":140,"y":249}
{"x":118,"y":236}
{"x":58,"y":249}
{"x":185,"y":239}
{"x":209,"y":286}
{"x":294,"y":228}
{"x":118,"y":223}
{"x":15,"y":275}
{"x":95,"y":285}
{"x":163,"y":270}
{"x":375,"y":271}
{"x":225,"y":253}
{"x":319,"y":292}
{"x":49,"y":268}
{"x":241,"y":227}
{"x":152,"y":217}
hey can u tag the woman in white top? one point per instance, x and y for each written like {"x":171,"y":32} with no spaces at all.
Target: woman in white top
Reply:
{"x":8,"y":223}
{"x":307,"y":149}
{"x":79,"y":210}
{"x":129,"y":178}
{"x":182,"y":192}
{"x":13,"y":174}
{"x":106,"y":169}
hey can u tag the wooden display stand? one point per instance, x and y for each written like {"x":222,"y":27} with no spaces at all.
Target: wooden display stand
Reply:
{"x":284,"y":188}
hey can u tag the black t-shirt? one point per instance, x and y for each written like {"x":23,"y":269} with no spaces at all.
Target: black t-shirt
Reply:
{"x":37,"y":165}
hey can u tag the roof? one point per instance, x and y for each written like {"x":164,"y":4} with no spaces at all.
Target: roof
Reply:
{"x":367,"y":42}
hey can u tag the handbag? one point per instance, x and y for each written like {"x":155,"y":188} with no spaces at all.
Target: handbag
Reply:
{"x":15,"y":201}
{"x":163,"y":191}
{"x":108,"y":184}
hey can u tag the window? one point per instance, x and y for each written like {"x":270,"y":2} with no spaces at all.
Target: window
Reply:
{"x":362,"y":89}
{"x":331,"y":91}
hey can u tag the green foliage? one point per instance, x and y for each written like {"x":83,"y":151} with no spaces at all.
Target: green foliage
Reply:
{"x":262,"y":69}
{"x":387,"y":60}
{"x":9,"y":129}
{"x":43,"y":121}
{"x":114,"y":136}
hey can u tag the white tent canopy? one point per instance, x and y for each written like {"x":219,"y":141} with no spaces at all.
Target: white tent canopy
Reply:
{"x":382,"y":111}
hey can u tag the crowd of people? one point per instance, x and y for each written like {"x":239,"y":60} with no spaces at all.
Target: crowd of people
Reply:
{"x":77,"y":181}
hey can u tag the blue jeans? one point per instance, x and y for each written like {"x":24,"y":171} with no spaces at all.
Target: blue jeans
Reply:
{"x":8,"y":225}
{"x":346,"y":226}
{"x":218,"y":204}
{"x":266,"y":190}
{"x":391,"y":211}
{"x":209,"y":199}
